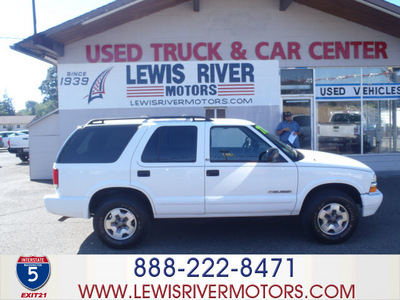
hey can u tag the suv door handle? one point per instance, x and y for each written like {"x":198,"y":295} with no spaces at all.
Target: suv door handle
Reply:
{"x":143,"y":173}
{"x":212,"y":173}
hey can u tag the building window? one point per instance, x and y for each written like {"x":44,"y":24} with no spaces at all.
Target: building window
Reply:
{"x":296,"y":81}
{"x":358,"y":109}
{"x":214,"y":113}
{"x":339,"y":127}
{"x":338,"y":95}
{"x":381,"y":109}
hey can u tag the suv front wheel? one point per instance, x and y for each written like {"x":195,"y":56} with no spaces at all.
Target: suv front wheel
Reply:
{"x":121,"y":222}
{"x":330,"y":217}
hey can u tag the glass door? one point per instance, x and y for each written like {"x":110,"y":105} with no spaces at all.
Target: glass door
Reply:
{"x":301,"y":112}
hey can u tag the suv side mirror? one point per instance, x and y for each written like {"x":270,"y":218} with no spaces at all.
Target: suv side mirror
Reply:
{"x":271,"y":155}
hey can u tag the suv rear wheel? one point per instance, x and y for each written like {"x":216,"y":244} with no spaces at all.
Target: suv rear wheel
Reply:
{"x":330,"y":216}
{"x":121,"y":222}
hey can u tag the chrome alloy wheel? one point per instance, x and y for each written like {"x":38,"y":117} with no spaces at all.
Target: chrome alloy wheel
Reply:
{"x":120,"y":223}
{"x":333,"y":219}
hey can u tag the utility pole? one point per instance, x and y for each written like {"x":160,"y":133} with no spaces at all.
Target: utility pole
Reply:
{"x":34,"y":17}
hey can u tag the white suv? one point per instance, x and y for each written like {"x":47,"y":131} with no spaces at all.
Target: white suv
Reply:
{"x":125,"y":172}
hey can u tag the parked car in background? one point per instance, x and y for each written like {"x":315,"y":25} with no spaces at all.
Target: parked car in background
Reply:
{"x":18,"y":144}
{"x":4,"y":138}
{"x":344,"y":128}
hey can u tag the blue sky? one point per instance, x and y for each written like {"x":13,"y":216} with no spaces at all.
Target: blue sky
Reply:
{"x":21,"y":75}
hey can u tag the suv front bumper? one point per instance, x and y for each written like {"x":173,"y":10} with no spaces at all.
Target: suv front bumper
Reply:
{"x":371,"y":203}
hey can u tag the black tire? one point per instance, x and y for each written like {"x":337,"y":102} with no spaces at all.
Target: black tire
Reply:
{"x":121,"y":222}
{"x":330,"y":216}
{"x":24,"y":157}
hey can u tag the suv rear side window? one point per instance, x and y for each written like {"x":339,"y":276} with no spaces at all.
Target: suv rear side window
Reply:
{"x":172,"y":144}
{"x":97,"y":144}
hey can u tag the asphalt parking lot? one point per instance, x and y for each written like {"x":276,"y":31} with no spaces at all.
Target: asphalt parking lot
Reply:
{"x":28,"y":229}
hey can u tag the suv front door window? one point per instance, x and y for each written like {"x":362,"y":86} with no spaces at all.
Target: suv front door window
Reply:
{"x":238,"y":144}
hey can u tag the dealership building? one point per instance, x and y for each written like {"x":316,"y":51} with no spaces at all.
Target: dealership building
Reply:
{"x":335,"y":65}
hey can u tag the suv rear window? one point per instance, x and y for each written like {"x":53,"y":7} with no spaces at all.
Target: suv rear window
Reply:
{"x":172,"y":144}
{"x":97,"y":144}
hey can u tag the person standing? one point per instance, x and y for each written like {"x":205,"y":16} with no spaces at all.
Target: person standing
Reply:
{"x":289,"y":131}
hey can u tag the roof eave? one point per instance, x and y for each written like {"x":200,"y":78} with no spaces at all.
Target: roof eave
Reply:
{"x":375,"y":14}
{"x":42,"y":55}
{"x":49,"y":45}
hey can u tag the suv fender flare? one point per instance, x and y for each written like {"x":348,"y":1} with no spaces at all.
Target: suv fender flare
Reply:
{"x":103,"y":193}
{"x":348,"y":186}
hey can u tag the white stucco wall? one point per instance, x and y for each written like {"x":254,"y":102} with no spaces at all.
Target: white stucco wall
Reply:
{"x":249,"y":22}
{"x":44,"y":143}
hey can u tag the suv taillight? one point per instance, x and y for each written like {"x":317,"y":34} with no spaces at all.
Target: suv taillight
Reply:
{"x":55,"y":177}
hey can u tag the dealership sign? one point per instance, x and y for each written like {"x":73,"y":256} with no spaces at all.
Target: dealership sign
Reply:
{"x":169,"y":84}
{"x":376,"y":91}
{"x":263,"y":50}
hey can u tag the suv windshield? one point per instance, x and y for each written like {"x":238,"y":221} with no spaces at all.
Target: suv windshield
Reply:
{"x":97,"y":144}
{"x":292,"y":153}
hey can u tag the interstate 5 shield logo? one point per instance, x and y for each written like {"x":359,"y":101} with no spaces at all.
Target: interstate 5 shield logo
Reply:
{"x":33,"y":272}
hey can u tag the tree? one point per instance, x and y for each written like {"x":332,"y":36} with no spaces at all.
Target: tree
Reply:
{"x":44,"y":108}
{"x":6,"y":106}
{"x":49,"y":89}
{"x":49,"y":86}
{"x":30,"y":108}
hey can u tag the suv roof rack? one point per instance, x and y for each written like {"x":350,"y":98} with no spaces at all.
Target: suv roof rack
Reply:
{"x":147,"y":118}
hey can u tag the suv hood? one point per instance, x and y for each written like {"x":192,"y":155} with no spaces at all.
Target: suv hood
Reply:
{"x":324,"y":159}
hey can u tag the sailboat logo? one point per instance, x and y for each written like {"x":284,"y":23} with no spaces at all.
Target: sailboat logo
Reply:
{"x":98,"y":88}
